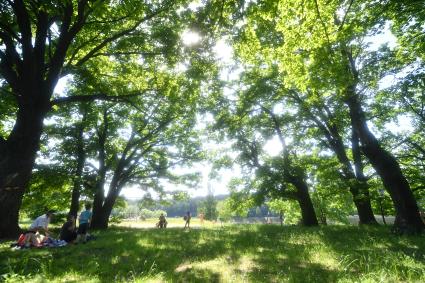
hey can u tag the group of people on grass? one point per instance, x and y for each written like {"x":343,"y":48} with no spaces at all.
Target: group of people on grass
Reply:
{"x":38,"y":232}
{"x":162,"y":223}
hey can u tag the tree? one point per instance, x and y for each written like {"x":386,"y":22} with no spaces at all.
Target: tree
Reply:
{"x":209,"y":207}
{"x":64,"y":146}
{"x":317,"y":49}
{"x":44,"y":41}
{"x":49,"y":189}
{"x":224,"y":210}
{"x":139,"y":142}
{"x":279,"y":177}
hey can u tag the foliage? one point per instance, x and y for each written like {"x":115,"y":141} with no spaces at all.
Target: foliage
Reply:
{"x":290,"y":209}
{"x":49,"y":189}
{"x":208,"y":207}
{"x":224,"y":210}
{"x":146,"y":213}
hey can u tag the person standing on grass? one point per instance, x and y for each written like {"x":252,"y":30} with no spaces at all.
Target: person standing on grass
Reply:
{"x":201,"y":218}
{"x":187,"y":218}
{"x":84,"y":223}
{"x":40,"y":225}
{"x":68,"y":233}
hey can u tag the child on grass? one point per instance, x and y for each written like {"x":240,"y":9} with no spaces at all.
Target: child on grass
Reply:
{"x":84,"y":223}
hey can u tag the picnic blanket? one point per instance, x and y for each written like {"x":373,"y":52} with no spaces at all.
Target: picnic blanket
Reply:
{"x":48,"y":242}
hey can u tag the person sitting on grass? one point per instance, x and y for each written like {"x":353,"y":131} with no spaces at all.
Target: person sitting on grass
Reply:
{"x":68,"y":233}
{"x":187,"y":219}
{"x":39,"y":230}
{"x":162,"y":222}
{"x":84,"y":223}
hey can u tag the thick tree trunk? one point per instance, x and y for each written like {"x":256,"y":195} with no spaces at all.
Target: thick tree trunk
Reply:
{"x":407,"y":213}
{"x":309,"y":217}
{"x":308,"y":214}
{"x":101,"y":221}
{"x":17,"y":157}
{"x":362,"y":202}
{"x":98,"y":218}
{"x":75,"y":195}
{"x":98,"y":214}
{"x":307,"y":210}
{"x":75,"y":199}
{"x":361,"y":198}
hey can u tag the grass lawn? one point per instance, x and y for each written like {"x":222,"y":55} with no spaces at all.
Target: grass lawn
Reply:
{"x":233,"y":253}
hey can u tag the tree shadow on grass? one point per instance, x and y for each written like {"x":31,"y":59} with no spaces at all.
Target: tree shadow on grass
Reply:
{"x":121,"y":254}
{"x":252,"y":253}
{"x":373,"y":250}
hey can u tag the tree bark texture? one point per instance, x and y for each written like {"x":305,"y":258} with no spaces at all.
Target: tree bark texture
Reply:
{"x":359,"y":188}
{"x":101,"y":216}
{"x":407,"y":213}
{"x":76,"y":190}
{"x":81,"y":158}
{"x":309,"y":217}
{"x":302,"y":195}
{"x":363,"y":204}
{"x":17,"y":157}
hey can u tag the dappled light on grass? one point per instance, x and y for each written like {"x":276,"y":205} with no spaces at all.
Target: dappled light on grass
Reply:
{"x":254,"y":253}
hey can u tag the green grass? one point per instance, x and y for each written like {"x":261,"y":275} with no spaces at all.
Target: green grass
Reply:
{"x":239,"y":253}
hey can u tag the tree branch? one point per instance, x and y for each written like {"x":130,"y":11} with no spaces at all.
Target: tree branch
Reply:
{"x":324,"y":25}
{"x":345,"y":15}
{"x":89,"y":98}
{"x":24,"y":24}
{"x":110,"y":39}
{"x":8,"y":72}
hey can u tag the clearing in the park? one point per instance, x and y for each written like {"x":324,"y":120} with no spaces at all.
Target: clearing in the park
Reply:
{"x":233,"y":253}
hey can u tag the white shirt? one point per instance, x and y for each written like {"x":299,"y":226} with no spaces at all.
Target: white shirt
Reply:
{"x":41,"y":221}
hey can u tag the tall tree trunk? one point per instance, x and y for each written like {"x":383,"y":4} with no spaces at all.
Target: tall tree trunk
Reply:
{"x":359,"y":189}
{"x":363,"y":204}
{"x":81,"y":158}
{"x":76,"y":190}
{"x":98,"y":201}
{"x":98,"y":217}
{"x":407,"y":213}
{"x":75,"y":198}
{"x":295,"y":176}
{"x":17,"y":157}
